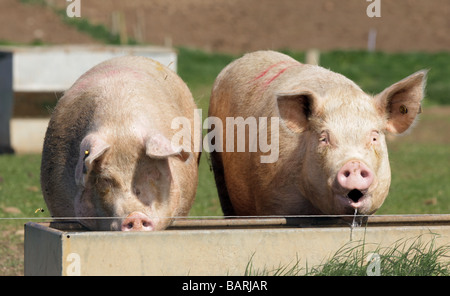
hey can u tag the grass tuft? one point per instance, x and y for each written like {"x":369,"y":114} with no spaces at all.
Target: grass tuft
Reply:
{"x":417,"y":256}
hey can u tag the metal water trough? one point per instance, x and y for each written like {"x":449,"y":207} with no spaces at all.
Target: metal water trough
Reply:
{"x":214,"y":246}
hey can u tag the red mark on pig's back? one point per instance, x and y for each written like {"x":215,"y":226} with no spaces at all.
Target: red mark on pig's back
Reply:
{"x":263,"y":73}
{"x":268,"y":75}
{"x":95,"y":75}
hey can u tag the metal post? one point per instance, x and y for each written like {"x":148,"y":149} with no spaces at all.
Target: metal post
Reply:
{"x":6,"y":101}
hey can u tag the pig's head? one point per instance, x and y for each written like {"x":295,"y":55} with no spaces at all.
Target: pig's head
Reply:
{"x":341,"y":141}
{"x":128,"y":181}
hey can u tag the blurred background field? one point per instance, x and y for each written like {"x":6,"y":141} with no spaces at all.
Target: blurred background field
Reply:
{"x":411,"y":35}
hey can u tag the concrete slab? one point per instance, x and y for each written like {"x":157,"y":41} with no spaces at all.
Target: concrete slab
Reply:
{"x":56,"y":67}
{"x":27,"y":134}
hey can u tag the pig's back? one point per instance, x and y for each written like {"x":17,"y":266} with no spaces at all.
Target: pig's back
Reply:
{"x":240,"y":86}
{"x":135,"y":88}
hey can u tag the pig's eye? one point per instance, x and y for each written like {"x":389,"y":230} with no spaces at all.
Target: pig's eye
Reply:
{"x":374,"y":137}
{"x":323,"y":139}
{"x":136,"y":191}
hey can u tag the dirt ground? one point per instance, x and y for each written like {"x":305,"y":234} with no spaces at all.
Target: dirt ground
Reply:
{"x":241,"y":25}
{"x":27,"y":23}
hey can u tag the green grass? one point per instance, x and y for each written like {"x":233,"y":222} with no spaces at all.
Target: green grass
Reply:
{"x":206,"y":201}
{"x":199,"y":70}
{"x":376,"y":71}
{"x":420,"y":180}
{"x":420,"y":171}
{"x":406,"y":257}
{"x":20,"y":193}
{"x":20,"y":196}
{"x":416,"y":256}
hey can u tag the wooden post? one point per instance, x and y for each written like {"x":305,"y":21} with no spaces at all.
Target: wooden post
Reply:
{"x":123,"y":29}
{"x":139,"y":28}
{"x":119,"y":26}
{"x":313,"y":57}
{"x":372,"y":40}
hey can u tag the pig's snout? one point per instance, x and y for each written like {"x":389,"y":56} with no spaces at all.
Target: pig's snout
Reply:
{"x":355,"y":176}
{"x":137,"y":221}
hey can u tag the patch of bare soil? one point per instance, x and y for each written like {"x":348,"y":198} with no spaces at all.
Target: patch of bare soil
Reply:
{"x":242,"y":25}
{"x":26,"y":23}
{"x":237,"y":26}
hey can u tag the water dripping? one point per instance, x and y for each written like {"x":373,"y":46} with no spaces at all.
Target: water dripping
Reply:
{"x":355,"y":223}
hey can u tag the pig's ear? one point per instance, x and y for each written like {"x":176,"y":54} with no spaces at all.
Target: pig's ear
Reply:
{"x":92,"y":148}
{"x":295,"y":108}
{"x":159,"y":147}
{"x":400,"y":102}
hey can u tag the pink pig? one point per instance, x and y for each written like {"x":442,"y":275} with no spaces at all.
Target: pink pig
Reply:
{"x":108,"y":151}
{"x":333,"y":157}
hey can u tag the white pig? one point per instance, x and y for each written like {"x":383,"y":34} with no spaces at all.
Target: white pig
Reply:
{"x":108,"y":152}
{"x":333,"y":158}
